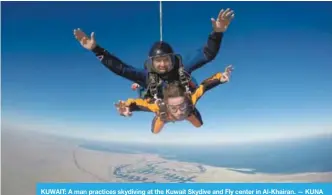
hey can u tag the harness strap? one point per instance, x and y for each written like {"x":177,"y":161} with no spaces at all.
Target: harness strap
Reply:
{"x":184,"y":77}
{"x":162,"y":110}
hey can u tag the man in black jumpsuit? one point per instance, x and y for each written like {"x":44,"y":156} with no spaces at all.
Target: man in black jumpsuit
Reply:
{"x":162,"y":59}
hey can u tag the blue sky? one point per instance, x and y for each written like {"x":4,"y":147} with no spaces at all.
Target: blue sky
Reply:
{"x":281,"y":52}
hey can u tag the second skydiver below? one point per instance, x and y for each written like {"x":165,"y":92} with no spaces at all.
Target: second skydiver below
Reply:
{"x":177,"y":105}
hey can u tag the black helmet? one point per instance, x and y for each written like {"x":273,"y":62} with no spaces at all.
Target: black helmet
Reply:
{"x":160,"y":48}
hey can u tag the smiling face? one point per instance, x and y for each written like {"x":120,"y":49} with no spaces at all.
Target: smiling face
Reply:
{"x":161,"y":54}
{"x":162,"y":64}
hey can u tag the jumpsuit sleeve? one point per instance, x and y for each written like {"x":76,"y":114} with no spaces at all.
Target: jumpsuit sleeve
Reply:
{"x":141,"y":105}
{"x":205,"y":54}
{"x":205,"y":86}
{"x":118,"y":67}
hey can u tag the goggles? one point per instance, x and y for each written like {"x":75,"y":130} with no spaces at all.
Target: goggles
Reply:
{"x":174,"y":108}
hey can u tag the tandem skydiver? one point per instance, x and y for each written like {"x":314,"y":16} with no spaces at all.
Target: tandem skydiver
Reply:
{"x":177,"y":105}
{"x":163,"y":64}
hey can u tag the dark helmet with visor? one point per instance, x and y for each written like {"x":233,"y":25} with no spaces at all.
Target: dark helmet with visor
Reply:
{"x":160,"y":49}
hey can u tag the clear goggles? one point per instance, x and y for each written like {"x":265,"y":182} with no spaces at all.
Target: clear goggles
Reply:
{"x":174,"y":108}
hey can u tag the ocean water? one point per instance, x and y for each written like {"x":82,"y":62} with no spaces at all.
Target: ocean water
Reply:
{"x":295,"y":156}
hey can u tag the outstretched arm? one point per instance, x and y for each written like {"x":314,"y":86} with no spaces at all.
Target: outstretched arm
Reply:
{"x":113,"y":63}
{"x":208,"y":84}
{"x":211,"y":48}
{"x":126,"y":108}
{"x":204,"y":55}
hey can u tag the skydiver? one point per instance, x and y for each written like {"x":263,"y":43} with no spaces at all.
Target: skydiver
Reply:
{"x":177,"y":105}
{"x":162,"y":64}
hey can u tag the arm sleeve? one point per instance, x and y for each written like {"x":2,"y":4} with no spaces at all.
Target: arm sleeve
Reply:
{"x":205,"y":86}
{"x":115,"y":65}
{"x":141,"y":105}
{"x":204,"y":55}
